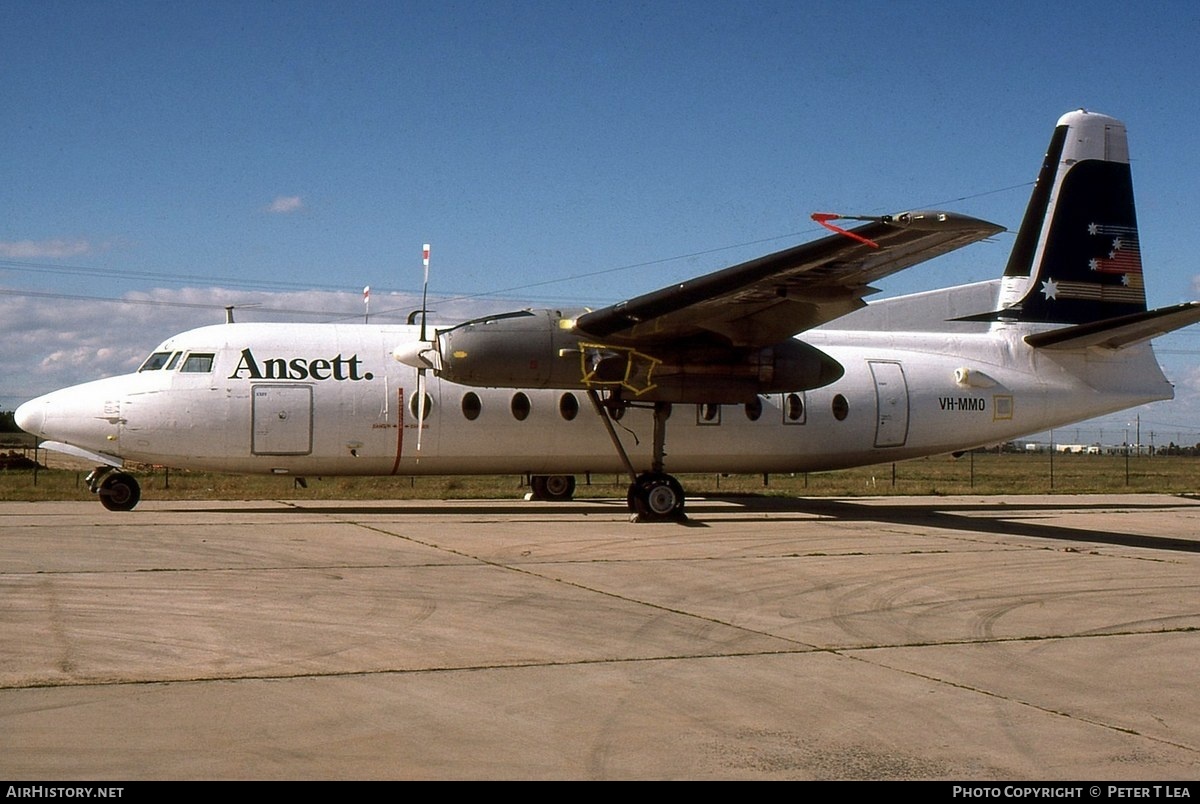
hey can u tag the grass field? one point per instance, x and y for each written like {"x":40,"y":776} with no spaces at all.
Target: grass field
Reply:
{"x":980,"y":473}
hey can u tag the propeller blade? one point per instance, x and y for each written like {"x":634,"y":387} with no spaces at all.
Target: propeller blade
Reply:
{"x":420,"y":405}
{"x":427,"y":355}
{"x":424,"y":289}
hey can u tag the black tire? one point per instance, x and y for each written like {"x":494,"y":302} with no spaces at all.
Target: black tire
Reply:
{"x":656,"y":496}
{"x":555,"y":488}
{"x":119,"y":492}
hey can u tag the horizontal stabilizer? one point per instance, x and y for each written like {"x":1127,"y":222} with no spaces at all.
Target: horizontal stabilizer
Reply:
{"x":1119,"y":332}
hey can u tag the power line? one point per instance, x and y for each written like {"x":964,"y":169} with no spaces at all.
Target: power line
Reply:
{"x":162,"y":303}
{"x":175,"y":279}
{"x":77,"y":270}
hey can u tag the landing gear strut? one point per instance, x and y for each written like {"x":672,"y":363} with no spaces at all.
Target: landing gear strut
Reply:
{"x":118,"y":491}
{"x":653,"y":495}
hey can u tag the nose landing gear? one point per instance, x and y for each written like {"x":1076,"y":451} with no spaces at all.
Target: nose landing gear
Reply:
{"x":555,"y":488}
{"x":118,"y":491}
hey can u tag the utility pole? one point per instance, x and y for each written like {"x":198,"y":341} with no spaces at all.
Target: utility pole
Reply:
{"x":1126,"y":456}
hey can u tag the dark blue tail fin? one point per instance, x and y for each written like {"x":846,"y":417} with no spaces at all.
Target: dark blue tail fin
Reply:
{"x":1076,"y":258}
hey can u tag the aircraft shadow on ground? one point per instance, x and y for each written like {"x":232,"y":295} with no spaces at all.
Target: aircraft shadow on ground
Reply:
{"x":999,"y":518}
{"x":988,"y":516}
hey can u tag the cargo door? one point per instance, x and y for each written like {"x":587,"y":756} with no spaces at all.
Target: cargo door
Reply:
{"x":282,"y":420}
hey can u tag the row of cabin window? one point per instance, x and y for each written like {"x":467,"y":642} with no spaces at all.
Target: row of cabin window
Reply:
{"x":568,"y":407}
{"x":568,"y":404}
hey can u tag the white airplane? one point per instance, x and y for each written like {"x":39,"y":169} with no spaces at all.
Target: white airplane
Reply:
{"x":774,"y":365}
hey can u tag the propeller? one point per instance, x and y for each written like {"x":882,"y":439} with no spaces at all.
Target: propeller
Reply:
{"x":423,"y":354}
{"x":433,"y":348}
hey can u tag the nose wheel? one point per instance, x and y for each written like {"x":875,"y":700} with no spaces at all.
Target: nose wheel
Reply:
{"x":556,"y":488}
{"x":118,"y":491}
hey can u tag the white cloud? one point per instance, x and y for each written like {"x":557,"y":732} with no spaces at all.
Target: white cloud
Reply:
{"x":55,"y":342}
{"x":43,"y":249}
{"x":77,"y":358}
{"x":1188,"y":380}
{"x":285,"y":204}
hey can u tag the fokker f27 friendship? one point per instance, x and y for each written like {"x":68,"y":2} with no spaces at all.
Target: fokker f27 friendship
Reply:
{"x":773,"y":365}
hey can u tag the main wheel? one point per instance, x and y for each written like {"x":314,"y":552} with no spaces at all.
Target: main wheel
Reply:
{"x":119,"y":492}
{"x":656,"y":495}
{"x":558,"y":488}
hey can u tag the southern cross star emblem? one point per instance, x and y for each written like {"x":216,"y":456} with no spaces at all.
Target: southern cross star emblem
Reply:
{"x":1093,"y":229}
{"x":1050,"y":289}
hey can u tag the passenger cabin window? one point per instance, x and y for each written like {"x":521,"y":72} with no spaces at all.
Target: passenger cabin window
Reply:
{"x":520,"y":406}
{"x":198,"y":363}
{"x":471,"y":406}
{"x":754,"y":409}
{"x":568,"y":406}
{"x":414,"y":405}
{"x":841,"y":408}
{"x":793,"y":409}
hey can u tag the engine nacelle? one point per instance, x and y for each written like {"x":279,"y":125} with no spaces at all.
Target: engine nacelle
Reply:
{"x":513,"y":350}
{"x":541,"y":349}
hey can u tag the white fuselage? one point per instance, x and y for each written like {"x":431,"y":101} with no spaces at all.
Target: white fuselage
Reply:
{"x":330,"y":399}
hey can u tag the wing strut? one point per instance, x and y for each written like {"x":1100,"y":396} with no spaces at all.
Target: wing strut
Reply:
{"x":612,"y":432}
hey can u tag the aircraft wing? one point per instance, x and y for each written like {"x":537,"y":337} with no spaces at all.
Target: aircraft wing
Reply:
{"x":767,"y":300}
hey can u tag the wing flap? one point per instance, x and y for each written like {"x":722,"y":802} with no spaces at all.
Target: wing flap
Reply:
{"x":766,"y":300}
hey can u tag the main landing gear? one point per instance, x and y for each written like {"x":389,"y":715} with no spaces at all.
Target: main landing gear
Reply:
{"x":653,"y":495}
{"x":118,"y":491}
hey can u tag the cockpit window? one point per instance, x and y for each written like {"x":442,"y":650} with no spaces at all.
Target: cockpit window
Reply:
{"x":174,"y":361}
{"x":199,"y":363}
{"x":155,"y":361}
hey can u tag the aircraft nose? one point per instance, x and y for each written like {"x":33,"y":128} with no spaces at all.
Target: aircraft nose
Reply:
{"x":85,"y":415}
{"x":31,"y":416}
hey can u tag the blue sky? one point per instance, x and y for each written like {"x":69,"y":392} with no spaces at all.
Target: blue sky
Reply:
{"x":286,"y":154}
